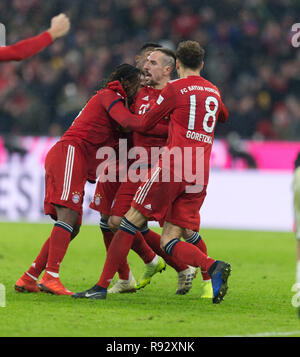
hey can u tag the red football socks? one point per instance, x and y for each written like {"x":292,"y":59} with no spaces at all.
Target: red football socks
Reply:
{"x":153,"y":240}
{"x":140,"y":246}
{"x":202,"y":246}
{"x":40,"y":261}
{"x":123,"y":269}
{"x":198,"y":242}
{"x":189,"y":254}
{"x":117,"y":252}
{"x":58,"y":245}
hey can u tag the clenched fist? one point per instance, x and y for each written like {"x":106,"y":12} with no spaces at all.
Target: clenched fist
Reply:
{"x":60,"y":25}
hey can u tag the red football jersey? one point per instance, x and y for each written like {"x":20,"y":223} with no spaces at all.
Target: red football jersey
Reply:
{"x":26,"y":48}
{"x":194,"y":106}
{"x":157,"y":136}
{"x":96,"y":127}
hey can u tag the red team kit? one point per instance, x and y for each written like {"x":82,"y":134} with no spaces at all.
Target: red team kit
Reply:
{"x":26,"y":48}
{"x":115,"y":198}
{"x":99,"y":124}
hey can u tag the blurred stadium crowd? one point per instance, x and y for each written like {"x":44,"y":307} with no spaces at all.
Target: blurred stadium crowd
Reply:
{"x":249,"y":56}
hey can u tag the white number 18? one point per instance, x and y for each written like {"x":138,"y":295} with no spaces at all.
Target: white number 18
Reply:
{"x":209,"y":113}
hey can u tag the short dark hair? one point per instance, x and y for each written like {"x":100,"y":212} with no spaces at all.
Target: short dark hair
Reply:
{"x":190,"y":54}
{"x":170,"y":54}
{"x":149,"y":45}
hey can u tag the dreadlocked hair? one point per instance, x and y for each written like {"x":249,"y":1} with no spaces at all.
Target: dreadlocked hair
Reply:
{"x":123,"y":72}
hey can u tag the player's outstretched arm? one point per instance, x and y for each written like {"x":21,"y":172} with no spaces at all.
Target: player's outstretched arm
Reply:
{"x":21,"y":50}
{"x":122,"y":115}
{"x":147,"y":121}
{"x":130,"y":121}
{"x":160,"y":130}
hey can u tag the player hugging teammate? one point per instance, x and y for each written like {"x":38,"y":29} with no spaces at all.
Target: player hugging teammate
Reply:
{"x":175,"y":202}
{"x":191,"y":104}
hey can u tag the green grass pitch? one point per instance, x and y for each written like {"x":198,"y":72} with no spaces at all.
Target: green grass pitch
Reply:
{"x":258,"y":301}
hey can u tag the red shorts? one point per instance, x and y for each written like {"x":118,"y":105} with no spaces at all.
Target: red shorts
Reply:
{"x":127,"y":190}
{"x":104,"y":196}
{"x":169,"y":201}
{"x":124,"y":197}
{"x":65,"y":178}
{"x":115,"y":198}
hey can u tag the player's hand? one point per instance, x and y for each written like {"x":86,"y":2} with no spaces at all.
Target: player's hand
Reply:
{"x":60,"y":25}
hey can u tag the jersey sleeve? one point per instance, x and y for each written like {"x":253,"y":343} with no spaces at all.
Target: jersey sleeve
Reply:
{"x":110,"y":98}
{"x":160,"y":130}
{"x":114,"y":105}
{"x":118,"y":112}
{"x":25,"y":48}
{"x":223,"y":113}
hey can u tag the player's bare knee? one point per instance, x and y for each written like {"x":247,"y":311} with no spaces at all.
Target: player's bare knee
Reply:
{"x":162,"y":245}
{"x":67,"y":215}
{"x":114,"y":222}
{"x":135,"y":217}
{"x":187,"y":233}
{"x":163,"y":241}
{"x":171,"y":231}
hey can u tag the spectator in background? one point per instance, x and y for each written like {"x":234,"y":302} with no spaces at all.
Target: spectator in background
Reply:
{"x":21,"y":50}
{"x":248,"y":46}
